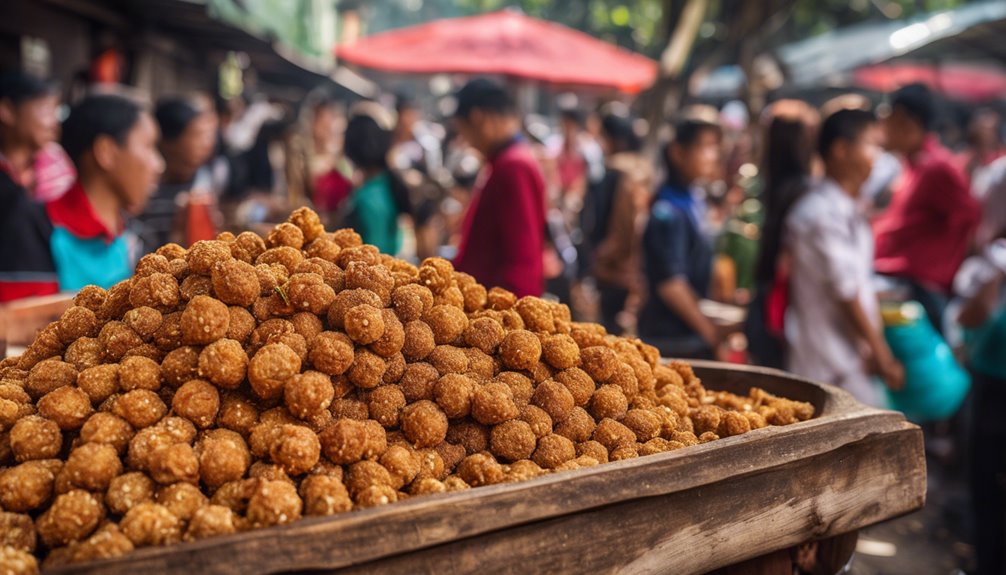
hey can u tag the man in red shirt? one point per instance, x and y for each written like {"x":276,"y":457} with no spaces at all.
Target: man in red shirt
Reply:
{"x":502,"y":236}
{"x":924,"y":234}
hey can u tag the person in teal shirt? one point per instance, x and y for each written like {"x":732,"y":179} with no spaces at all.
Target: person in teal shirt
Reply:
{"x":375,"y":206}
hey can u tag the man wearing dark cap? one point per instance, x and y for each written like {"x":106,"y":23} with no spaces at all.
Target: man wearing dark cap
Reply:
{"x":503,"y":232}
{"x":924,"y":234}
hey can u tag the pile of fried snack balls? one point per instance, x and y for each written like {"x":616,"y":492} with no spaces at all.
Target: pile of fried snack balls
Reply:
{"x":247,"y":383}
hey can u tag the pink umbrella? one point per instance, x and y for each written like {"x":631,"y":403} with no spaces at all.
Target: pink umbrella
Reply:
{"x":956,"y":81}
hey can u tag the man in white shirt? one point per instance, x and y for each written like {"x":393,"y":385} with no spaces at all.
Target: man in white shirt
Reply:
{"x":833,"y":325}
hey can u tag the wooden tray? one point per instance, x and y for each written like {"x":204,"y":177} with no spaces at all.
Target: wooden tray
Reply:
{"x":682,"y":512}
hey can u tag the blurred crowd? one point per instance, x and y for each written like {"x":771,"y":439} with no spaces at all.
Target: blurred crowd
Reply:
{"x":811,"y":221}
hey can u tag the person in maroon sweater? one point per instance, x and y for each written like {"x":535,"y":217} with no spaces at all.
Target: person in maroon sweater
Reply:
{"x":503,"y":233}
{"x":925,"y":232}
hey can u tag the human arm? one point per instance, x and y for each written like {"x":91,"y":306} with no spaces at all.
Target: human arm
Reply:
{"x":887,"y":366}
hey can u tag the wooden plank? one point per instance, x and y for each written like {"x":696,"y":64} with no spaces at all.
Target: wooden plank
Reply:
{"x":408,"y":527}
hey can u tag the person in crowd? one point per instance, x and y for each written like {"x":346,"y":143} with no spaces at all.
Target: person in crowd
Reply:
{"x":787,"y":164}
{"x":924,"y":234}
{"x":27,"y":124}
{"x":113,"y":142}
{"x":503,"y":233}
{"x":677,"y":250}
{"x":188,"y":139}
{"x":316,"y":170}
{"x":570,"y":162}
{"x":833,"y":326}
{"x":381,"y":198}
{"x":629,"y":181}
{"x":984,"y":146}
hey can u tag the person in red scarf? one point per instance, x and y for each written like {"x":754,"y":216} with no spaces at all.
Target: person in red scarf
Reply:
{"x":503,"y":234}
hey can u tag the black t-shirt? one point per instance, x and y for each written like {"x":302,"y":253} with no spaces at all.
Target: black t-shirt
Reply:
{"x":673,"y":246}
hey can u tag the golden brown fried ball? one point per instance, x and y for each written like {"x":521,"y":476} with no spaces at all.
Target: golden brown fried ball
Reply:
{"x":376,"y":278}
{"x":578,"y":427}
{"x":195,"y":285}
{"x":309,"y":393}
{"x":451,"y":296}
{"x":204,"y":254}
{"x":211,"y":521}
{"x":644,"y":423}
{"x":26,"y":487}
{"x":402,"y":464}
{"x":182,"y":499}
{"x":127,"y":491}
{"x":331,"y":353}
{"x":449,"y":359}
{"x":159,"y":291}
{"x":151,"y":263}
{"x":392,"y":339}
{"x":536,"y":314}
{"x":447,"y":322}
{"x":453,"y":393}
{"x":46,"y":345}
{"x":84,"y":353}
{"x":385,"y":405}
{"x":49,"y":374}
{"x":307,"y":325}
{"x":270,"y":368}
{"x":309,"y":292}
{"x":17,"y":561}
{"x":295,"y":449}
{"x":324,"y":495}
{"x":106,"y":543}
{"x":364,"y":474}
{"x":204,"y":320}
{"x":599,"y":362}
{"x":578,"y":383}
{"x":555,"y":399}
{"x":285,"y":234}
{"x":72,"y":517}
{"x":376,"y":439}
{"x":623,"y":452}
{"x":35,"y":437}
{"x":147,"y":441}
{"x":418,"y":380}
{"x":376,"y":495}
{"x":274,"y":503}
{"x":450,"y":454}
{"x":140,"y":407}
{"x":394,"y":369}
{"x":247,"y":247}
{"x":608,"y":401}
{"x":481,"y":366}
{"x":520,"y":385}
{"x":150,"y":523}
{"x":364,"y":324}
{"x":480,"y":469}
{"x":592,"y":449}
{"x":270,"y":277}
{"x":68,"y":406}
{"x":235,"y":282}
{"x":347,"y":299}
{"x":177,"y":367}
{"x":501,"y":299}
{"x":144,"y":320}
{"x":367,"y":370}
{"x":177,"y":462}
{"x":346,"y":408}
{"x":91,"y":297}
{"x":538,"y":419}
{"x":237,"y":413}
{"x":107,"y":428}
{"x":520,"y":349}
{"x":347,"y":238}
{"x":17,"y":531}
{"x":475,"y":297}
{"x":344,"y":441}
{"x":424,"y":424}
{"x":137,"y":372}
{"x":92,"y":466}
{"x":411,"y":302}
{"x":625,"y":378}
{"x":426,"y":486}
{"x":437,"y":274}
{"x":523,"y":470}
{"x":472,"y":437}
{"x":11,"y":411}
{"x":493,"y":403}
{"x":117,"y":339}
{"x":308,"y":222}
{"x":224,"y":363}
{"x":484,"y":333}
{"x":285,"y":256}
{"x":560,"y":351}
{"x":223,"y":457}
{"x":76,"y":322}
{"x":612,"y":434}
{"x":706,"y":418}
{"x":733,"y":423}
{"x":513,"y":440}
{"x":553,"y":450}
{"x":198,"y":401}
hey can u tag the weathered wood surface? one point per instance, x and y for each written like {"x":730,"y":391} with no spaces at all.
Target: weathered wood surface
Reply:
{"x":682,"y":512}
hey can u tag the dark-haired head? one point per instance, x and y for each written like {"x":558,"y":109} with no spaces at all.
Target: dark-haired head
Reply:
{"x":848,"y":144}
{"x":485,"y":96}
{"x":113,"y":140}
{"x":367,"y":145}
{"x":485,"y":115}
{"x":913,"y":115}
{"x":619,"y":134}
{"x":174,"y":115}
{"x":843,"y":126}
{"x":27,"y":111}
{"x":188,"y":136}
{"x":694,"y":153}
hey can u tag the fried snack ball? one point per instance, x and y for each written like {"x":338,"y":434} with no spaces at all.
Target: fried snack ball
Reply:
{"x":17,"y":562}
{"x":247,"y":247}
{"x":224,"y":363}
{"x":536,"y":314}
{"x":76,"y":322}
{"x":733,"y":423}
{"x":159,"y":291}
{"x":453,"y":393}
{"x":324,"y":495}
{"x":347,"y":238}
{"x":323,"y":248}
{"x":68,"y":406}
{"x":484,"y":333}
{"x":376,"y":495}
{"x":560,"y":351}
{"x":182,"y":499}
{"x":365,"y":474}
{"x":106,"y":543}
{"x":385,"y":405}
{"x":376,"y":441}
{"x":285,"y":234}
{"x":198,"y":401}
{"x":402,"y":464}
{"x":11,"y":411}
{"x":520,"y":385}
{"x":117,"y":339}
{"x":109,"y":429}
{"x":451,"y":454}
{"x":92,"y":466}
{"x":235,"y":282}
{"x":151,"y":263}
{"x":394,"y":369}
{"x":538,"y":419}
{"x":520,"y":349}
{"x":295,"y":449}
{"x":475,"y":297}
{"x":578,"y":427}
{"x":376,"y":278}
{"x":553,"y":450}
{"x":274,"y":503}
{"x":147,"y":441}
{"x":411,"y":302}
{"x":309,"y":292}
{"x":26,"y":487}
{"x":347,"y":299}
{"x":599,"y":362}
{"x":625,"y":378}
{"x":35,"y":437}
{"x":223,"y":457}
{"x":447,"y":322}
{"x":644,"y":423}
{"x":608,"y":401}
{"x":555,"y":399}
{"x":211,"y":521}
{"x":344,"y":441}
{"x":309,"y":393}
{"x":17,"y":531}
{"x":364,"y":324}
{"x":144,"y":320}
{"x":612,"y":434}
{"x":448,"y":359}
{"x":204,"y":320}
{"x":269,"y":329}
{"x":501,"y":299}
{"x":91,"y":297}
{"x":706,"y":418}
{"x":392,"y":338}
{"x":592,"y":449}
{"x":195,"y":285}
{"x":331,"y":353}
{"x":437,"y":274}
{"x":482,"y":366}
{"x":140,"y":407}
{"x":427,"y":486}
{"x":480,"y":469}
{"x":237,"y":413}
{"x":270,"y":368}
{"x":512,"y":440}
{"x":308,"y":222}
{"x":138,"y":372}
{"x":127,"y":491}
{"x":367,"y":371}
{"x":150,"y":523}
{"x":84,"y":353}
{"x":47,"y":375}
{"x":623,"y":452}
{"x":179,"y":365}
{"x":174,"y":463}
{"x":307,"y":325}
{"x":285,"y":256}
{"x":71,"y":517}
{"x":472,"y":437}
{"x":418,"y":380}
{"x":346,"y":408}
{"x":579,"y":384}
{"x":451,"y":296}
{"x":204,"y":254}
{"x":493,"y":403}
{"x":424,"y":424}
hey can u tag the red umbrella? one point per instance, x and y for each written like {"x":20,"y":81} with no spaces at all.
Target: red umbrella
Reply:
{"x":504,"y":42}
{"x":956,"y":81}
